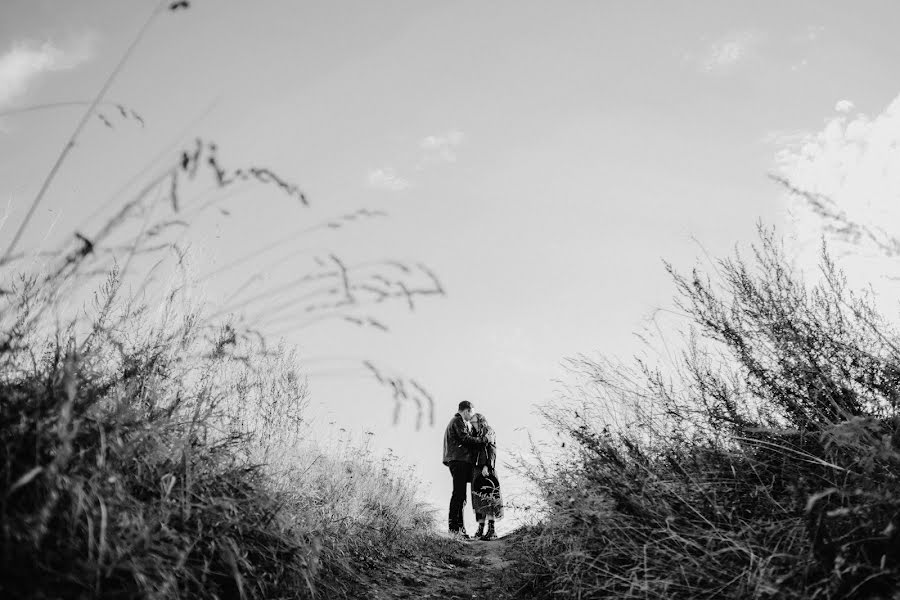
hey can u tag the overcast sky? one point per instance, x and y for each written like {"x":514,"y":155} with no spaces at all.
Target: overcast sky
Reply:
{"x":542,"y":158}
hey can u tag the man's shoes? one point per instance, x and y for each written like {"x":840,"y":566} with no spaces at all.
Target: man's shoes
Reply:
{"x":460,"y":533}
{"x":490,"y":534}
{"x":480,"y":533}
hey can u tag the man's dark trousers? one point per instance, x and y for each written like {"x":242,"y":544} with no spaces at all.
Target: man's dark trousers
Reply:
{"x":461,"y":471}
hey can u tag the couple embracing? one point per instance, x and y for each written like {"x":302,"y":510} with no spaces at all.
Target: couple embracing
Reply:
{"x":470,"y":451}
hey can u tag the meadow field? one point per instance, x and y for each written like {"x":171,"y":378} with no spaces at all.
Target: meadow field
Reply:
{"x":156,"y":430}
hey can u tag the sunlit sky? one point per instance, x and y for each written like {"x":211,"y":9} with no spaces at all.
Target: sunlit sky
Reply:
{"x":541,"y":158}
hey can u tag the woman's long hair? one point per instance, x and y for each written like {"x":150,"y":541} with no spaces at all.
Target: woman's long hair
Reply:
{"x":483,"y":424}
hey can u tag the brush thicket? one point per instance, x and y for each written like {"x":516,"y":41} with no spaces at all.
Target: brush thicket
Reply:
{"x":155,"y":447}
{"x":156,"y":460}
{"x":764,"y":465}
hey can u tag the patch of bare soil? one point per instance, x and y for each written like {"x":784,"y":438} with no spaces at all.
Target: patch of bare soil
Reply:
{"x":454,"y":570}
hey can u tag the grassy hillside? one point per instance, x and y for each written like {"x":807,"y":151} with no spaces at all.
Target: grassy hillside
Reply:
{"x":763,"y":463}
{"x":143,"y":455}
{"x":153,"y":447}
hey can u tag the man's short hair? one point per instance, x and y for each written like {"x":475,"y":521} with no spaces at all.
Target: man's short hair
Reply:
{"x":465,"y":405}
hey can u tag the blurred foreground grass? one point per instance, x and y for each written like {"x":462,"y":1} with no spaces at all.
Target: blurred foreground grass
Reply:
{"x":142,"y":456}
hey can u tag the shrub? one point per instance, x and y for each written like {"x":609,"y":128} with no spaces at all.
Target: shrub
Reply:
{"x":763,"y":465}
{"x":147,"y":451}
{"x":151,"y":449}
{"x":157,"y":461}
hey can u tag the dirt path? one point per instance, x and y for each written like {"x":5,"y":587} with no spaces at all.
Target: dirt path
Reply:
{"x":475,"y":570}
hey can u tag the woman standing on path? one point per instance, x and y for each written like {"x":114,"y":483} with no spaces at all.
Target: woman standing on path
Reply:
{"x":486,"y":499}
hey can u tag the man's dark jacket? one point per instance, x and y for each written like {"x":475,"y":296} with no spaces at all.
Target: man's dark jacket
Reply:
{"x":458,"y":444}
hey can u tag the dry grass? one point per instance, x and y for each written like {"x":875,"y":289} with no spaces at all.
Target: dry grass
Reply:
{"x":156,"y":461}
{"x":154,"y":447}
{"x":765,"y":466}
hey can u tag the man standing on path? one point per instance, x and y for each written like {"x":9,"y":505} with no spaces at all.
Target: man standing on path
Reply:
{"x":459,"y":456}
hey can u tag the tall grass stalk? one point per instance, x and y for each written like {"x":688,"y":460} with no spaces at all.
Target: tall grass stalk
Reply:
{"x":70,"y":143}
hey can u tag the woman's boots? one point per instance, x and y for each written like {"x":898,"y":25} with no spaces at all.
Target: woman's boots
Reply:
{"x":490,"y":534}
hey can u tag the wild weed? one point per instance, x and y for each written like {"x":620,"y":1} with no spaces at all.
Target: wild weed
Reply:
{"x":765,"y":464}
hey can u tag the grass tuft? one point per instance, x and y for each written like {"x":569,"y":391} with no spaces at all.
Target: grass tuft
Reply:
{"x":765,"y":463}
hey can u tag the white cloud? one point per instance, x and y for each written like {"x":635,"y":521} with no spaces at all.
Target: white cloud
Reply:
{"x":450,"y":138}
{"x":387,"y":179}
{"x":434,"y":149}
{"x":729,"y":50}
{"x":852,"y":166}
{"x":843,"y":106}
{"x":26,"y":61}
{"x":441,"y":147}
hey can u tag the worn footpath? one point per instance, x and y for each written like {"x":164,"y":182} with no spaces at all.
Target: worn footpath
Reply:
{"x":476,"y":570}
